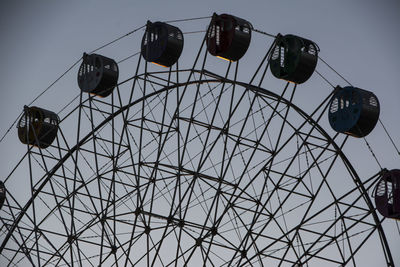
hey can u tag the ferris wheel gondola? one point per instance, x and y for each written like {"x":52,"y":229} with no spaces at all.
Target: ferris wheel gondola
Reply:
{"x":190,"y":166}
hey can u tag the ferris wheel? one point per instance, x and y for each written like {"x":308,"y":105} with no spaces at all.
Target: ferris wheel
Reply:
{"x":193,"y":166}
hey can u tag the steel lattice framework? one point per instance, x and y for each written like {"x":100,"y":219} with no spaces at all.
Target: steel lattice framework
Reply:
{"x":191,"y":166}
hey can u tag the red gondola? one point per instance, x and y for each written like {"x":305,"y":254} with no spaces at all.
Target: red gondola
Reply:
{"x":387,"y":194}
{"x":228,"y":37}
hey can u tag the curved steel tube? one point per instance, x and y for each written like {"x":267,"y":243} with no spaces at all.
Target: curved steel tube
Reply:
{"x":217,"y":78}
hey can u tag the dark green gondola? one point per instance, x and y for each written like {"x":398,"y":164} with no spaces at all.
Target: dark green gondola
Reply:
{"x":294,"y":58}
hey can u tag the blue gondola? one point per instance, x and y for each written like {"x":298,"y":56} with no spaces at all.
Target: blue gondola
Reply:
{"x":353,"y":111}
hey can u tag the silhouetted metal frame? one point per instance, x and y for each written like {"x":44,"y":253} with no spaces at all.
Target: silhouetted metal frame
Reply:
{"x":215,"y":78}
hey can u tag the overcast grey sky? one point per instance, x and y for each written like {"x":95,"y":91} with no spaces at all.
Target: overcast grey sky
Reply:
{"x":41,"y":39}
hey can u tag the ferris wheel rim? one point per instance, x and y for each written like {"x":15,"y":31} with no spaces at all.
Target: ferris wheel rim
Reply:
{"x":213,"y":78}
